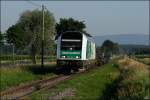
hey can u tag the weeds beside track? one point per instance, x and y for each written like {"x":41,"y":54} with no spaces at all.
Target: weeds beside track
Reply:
{"x":14,"y":76}
{"x":132,"y":83}
{"x":20,"y":91}
{"x":86,"y":86}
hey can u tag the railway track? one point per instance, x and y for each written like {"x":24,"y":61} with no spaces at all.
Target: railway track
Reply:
{"x":24,"y":90}
{"x":20,"y":91}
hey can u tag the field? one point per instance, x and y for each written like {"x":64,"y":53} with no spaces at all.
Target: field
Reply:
{"x":125,"y":79}
{"x":10,"y":60}
{"x":91,"y":51}
{"x":122,"y":79}
{"x":13,"y":76}
{"x":143,"y":58}
{"x":18,"y":69}
{"x":133,"y":81}
{"x":23,"y":57}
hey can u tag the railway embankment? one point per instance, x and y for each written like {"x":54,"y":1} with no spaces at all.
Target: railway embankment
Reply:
{"x":133,"y":82}
{"x":120,"y":79}
{"x":85,"y":86}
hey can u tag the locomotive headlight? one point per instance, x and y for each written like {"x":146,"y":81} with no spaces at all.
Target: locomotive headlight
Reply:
{"x":63,"y":56}
{"x":77,"y":57}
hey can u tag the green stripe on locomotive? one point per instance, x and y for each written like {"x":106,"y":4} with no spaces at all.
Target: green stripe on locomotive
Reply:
{"x":71,"y":53}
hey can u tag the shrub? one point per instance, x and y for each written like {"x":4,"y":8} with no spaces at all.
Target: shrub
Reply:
{"x":134,"y":82}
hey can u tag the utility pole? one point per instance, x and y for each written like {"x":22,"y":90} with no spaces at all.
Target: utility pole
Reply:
{"x":149,"y":38}
{"x":149,"y":29}
{"x":42,"y":53}
{"x":13,"y":50}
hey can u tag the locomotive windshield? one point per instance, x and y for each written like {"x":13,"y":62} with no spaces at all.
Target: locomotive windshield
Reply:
{"x":71,"y":41}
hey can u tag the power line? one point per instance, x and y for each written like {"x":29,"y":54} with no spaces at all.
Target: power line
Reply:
{"x":35,"y":4}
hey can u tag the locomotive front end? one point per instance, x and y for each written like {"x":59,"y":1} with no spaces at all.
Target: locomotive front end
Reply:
{"x":75,"y":50}
{"x":69,"y":49}
{"x":71,"y":46}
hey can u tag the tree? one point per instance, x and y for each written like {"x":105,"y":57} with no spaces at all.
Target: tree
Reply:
{"x":28,"y":31}
{"x":109,"y":47}
{"x":16,"y":36}
{"x":70,"y":24}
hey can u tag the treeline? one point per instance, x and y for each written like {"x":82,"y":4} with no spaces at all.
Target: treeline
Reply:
{"x":110,"y":48}
{"x":136,"y":49}
{"x":26,"y":35}
{"x":107,"y":50}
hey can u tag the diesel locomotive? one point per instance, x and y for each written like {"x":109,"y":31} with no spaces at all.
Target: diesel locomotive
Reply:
{"x":75,"y":50}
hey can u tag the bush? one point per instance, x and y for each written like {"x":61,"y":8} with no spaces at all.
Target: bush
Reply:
{"x":134,"y":83}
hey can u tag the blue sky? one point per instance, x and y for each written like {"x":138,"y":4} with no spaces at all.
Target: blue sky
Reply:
{"x":101,"y":17}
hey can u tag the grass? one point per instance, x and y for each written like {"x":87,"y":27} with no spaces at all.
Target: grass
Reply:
{"x":21,"y":74}
{"x":84,"y":86}
{"x":144,"y":60}
{"x":135,"y":82}
{"x":23,"y":57}
{"x":142,"y":56}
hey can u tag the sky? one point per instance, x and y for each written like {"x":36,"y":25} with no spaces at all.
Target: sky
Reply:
{"x":100,"y":17}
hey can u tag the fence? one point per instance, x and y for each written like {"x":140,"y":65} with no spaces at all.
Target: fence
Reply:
{"x":10,"y":57}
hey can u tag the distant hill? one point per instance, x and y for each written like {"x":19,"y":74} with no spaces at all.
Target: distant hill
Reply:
{"x":134,"y":46}
{"x":135,"y":49}
{"x":134,"y":39}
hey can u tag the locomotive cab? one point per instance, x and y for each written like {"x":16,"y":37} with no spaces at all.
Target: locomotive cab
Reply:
{"x":71,"y":46}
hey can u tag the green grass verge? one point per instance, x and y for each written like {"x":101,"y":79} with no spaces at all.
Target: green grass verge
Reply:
{"x":17,"y":75}
{"x":85,"y":86}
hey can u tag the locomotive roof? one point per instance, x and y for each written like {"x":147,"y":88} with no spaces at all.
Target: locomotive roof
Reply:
{"x":88,"y":35}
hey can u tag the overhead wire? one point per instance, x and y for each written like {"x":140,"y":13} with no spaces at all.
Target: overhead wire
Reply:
{"x":33,"y":3}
